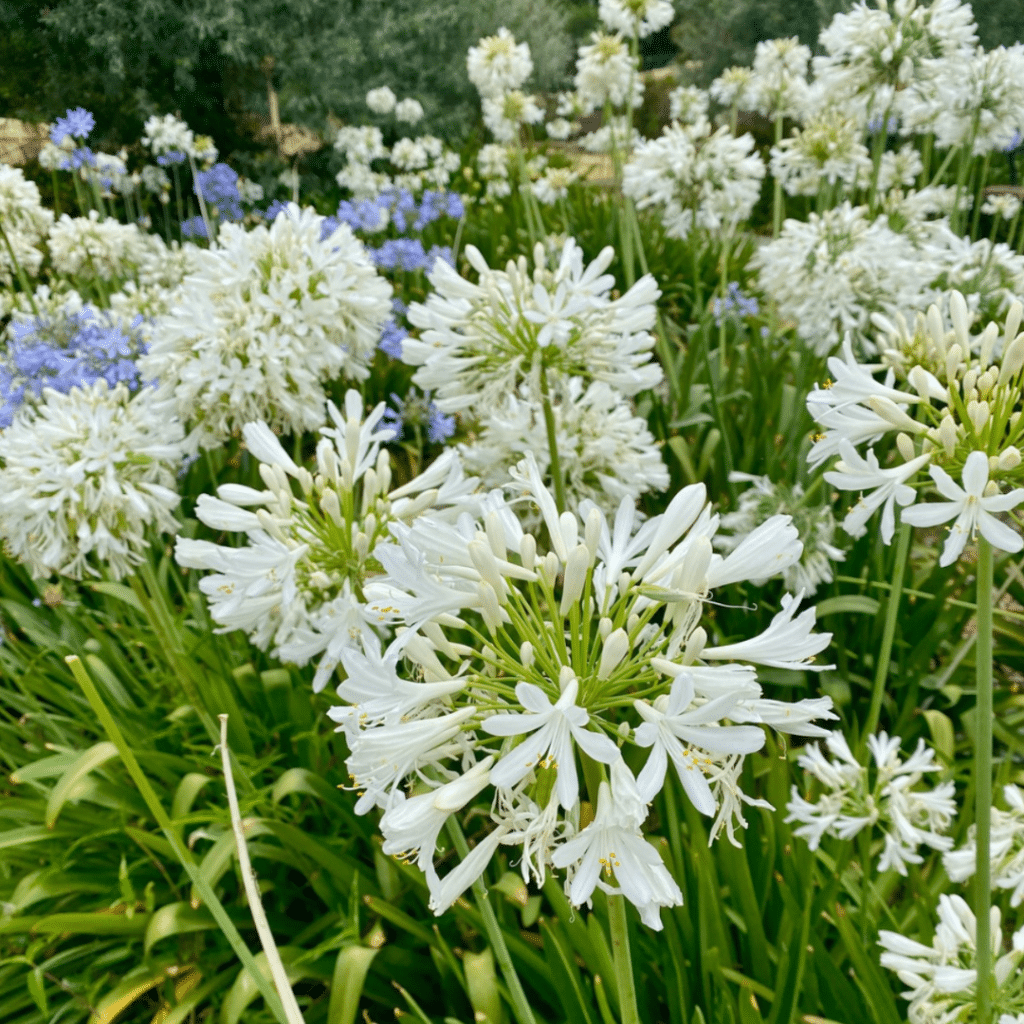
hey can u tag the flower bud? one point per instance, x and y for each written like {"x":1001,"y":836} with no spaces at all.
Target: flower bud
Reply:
{"x":905,"y":446}
{"x":1013,"y":360}
{"x":569,"y":527}
{"x":565,"y":677}
{"x":947,"y":434}
{"x":549,"y":567}
{"x":1009,"y":459}
{"x":695,"y":644}
{"x":953,"y":358}
{"x":495,"y":534}
{"x":332,"y":506}
{"x":485,"y":563}
{"x":575,"y":577}
{"x":604,"y":627}
{"x":986,"y":382}
{"x":936,"y":329}
{"x":528,"y":551}
{"x":978,"y":414}
{"x":489,"y":607}
{"x":616,"y":647}
{"x":961,"y":319}
{"x":1013,"y":318}
{"x":987,"y":344}
{"x":526,"y":654}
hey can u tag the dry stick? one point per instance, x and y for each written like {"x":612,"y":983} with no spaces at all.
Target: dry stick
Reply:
{"x":252,"y":892}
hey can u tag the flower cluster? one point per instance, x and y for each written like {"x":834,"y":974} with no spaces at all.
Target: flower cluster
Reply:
{"x":970,"y":424}
{"x":851,"y":800}
{"x":498,"y":64}
{"x":695,"y":178}
{"x":942,"y":978}
{"x":74,"y":348}
{"x":299,"y":581}
{"x":416,"y":163}
{"x":25,"y":223}
{"x":636,"y":17}
{"x":219,"y":187}
{"x":514,"y":661}
{"x":84,"y":475}
{"x":92,"y":247}
{"x":263,"y":321}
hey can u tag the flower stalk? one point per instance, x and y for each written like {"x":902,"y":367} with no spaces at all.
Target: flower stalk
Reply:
{"x":622,"y":959}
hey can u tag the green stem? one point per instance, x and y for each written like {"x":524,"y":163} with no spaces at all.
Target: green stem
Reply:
{"x":622,"y":959}
{"x":199,"y":880}
{"x":777,"y":200}
{"x":19,"y":272}
{"x":983,"y":782}
{"x":557,"y":476}
{"x":891,"y":614}
{"x":520,"y":1004}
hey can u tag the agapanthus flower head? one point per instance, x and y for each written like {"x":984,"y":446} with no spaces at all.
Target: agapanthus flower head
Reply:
{"x":219,"y":187}
{"x":1004,"y":206}
{"x":733,"y":87}
{"x":480,"y":342}
{"x":25,"y":221}
{"x":298,"y":583}
{"x":524,"y":703}
{"x":381,"y":100}
{"x":409,"y":110}
{"x":829,"y":149}
{"x":689,"y":104}
{"x":606,"y":451}
{"x":942,"y":978}
{"x":828,"y":274}
{"x":194,"y":227}
{"x":1006,"y":846}
{"x":85,"y":475}
{"x":951,"y":399}
{"x":75,"y":124}
{"x":606,"y":72}
{"x":778,"y":86}
{"x":90,"y":247}
{"x":263,"y":321}
{"x":695,"y":179}
{"x":498,"y":63}
{"x":168,"y":135}
{"x":854,"y":797}
{"x":636,"y":17}
{"x":418,"y":414}
{"x":814,"y":521}
{"x":74,"y":348}
{"x":506,"y":113}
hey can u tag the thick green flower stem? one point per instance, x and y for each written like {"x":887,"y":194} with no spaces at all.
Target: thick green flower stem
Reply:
{"x":556,"y":462}
{"x":892,"y":610}
{"x":520,"y":1004}
{"x":777,"y":200}
{"x":622,"y":959}
{"x":983,"y":781}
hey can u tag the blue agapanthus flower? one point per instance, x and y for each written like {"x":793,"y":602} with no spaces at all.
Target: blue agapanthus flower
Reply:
{"x":277,"y":207}
{"x":66,"y":351}
{"x":173,"y":156}
{"x":735,"y":301}
{"x":194,"y":227}
{"x":418,"y":411}
{"x":83,"y":156}
{"x":219,"y":187}
{"x":77,"y":123}
{"x":391,"y":337}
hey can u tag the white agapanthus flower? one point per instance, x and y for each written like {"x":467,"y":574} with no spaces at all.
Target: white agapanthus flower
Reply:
{"x":952,"y":401}
{"x":990,"y":276}
{"x":553,"y":184}
{"x":25,"y":222}
{"x":1006,"y":849}
{"x":85,"y":475}
{"x":582,"y":641}
{"x":734,"y":87}
{"x":605,"y":450}
{"x":616,"y":134}
{"x":1005,"y":206}
{"x":828,"y":274}
{"x":479,"y":342}
{"x":827,"y":151}
{"x":381,"y":100}
{"x":297,"y":585}
{"x":941,"y":979}
{"x":814,"y":522}
{"x":90,"y":247}
{"x":636,"y":17}
{"x":361,"y":144}
{"x":693,"y":179}
{"x":505,"y":114}
{"x":498,"y":63}
{"x":901,"y":62}
{"x":606,"y":72}
{"x":689,"y":104}
{"x":409,"y":110}
{"x":854,"y":798}
{"x":168,"y":134}
{"x":778,"y":86}
{"x":264,"y":321}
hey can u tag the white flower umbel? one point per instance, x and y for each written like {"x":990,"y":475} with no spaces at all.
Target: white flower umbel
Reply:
{"x":556,"y":656}
{"x":851,"y":800}
{"x":479,"y":342}
{"x":952,"y":401}
{"x":25,"y":223}
{"x":84,"y":476}
{"x":89,"y":247}
{"x":695,"y":179}
{"x":264,"y":321}
{"x":498,"y":63}
{"x":606,"y":451}
{"x":1007,"y":849}
{"x":606,"y":72}
{"x":828,"y":151}
{"x":778,"y":86}
{"x":636,"y":17}
{"x":941,"y":979}
{"x":612,"y":854}
{"x":830,"y":273}
{"x":298,"y":583}
{"x":506,"y":113}
{"x":381,"y":100}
